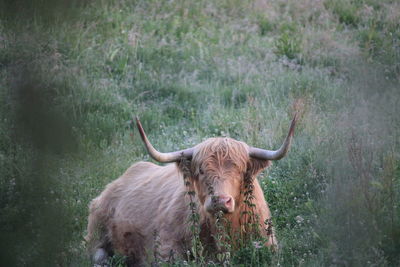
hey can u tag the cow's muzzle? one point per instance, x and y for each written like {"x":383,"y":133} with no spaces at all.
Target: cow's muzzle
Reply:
{"x":224,"y":203}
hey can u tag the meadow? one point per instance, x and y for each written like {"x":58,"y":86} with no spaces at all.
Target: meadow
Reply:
{"x":74,"y":74}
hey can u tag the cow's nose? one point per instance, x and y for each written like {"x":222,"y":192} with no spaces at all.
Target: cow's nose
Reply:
{"x":226,"y":202}
{"x":223,"y":203}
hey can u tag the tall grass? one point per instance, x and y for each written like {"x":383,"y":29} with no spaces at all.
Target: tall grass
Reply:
{"x":74,"y":74}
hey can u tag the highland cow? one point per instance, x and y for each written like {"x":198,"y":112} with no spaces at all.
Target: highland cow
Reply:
{"x":149,"y":200}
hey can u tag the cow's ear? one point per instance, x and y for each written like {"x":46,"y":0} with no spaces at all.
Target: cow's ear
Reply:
{"x":255,"y":166}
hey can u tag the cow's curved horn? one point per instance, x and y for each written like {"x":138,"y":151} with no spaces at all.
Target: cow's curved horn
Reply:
{"x":162,"y":157}
{"x":275,"y":154}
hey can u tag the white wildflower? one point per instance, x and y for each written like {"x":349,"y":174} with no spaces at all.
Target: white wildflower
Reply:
{"x":299,"y":219}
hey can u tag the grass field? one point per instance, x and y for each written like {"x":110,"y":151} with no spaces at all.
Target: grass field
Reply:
{"x":73,"y":74}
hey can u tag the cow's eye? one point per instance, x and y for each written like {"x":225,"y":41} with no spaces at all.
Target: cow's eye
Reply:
{"x":201,"y":171}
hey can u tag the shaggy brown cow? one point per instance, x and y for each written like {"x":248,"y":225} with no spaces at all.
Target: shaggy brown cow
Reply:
{"x":150,"y":199}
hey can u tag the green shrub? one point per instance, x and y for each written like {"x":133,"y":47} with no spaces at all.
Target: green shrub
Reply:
{"x":265,"y":25}
{"x":345,"y":10}
{"x":288,"y":45}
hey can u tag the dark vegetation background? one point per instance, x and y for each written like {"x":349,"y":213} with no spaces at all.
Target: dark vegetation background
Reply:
{"x":74,"y":73}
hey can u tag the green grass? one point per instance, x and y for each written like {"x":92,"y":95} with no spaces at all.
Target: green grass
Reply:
{"x":73,"y":76}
